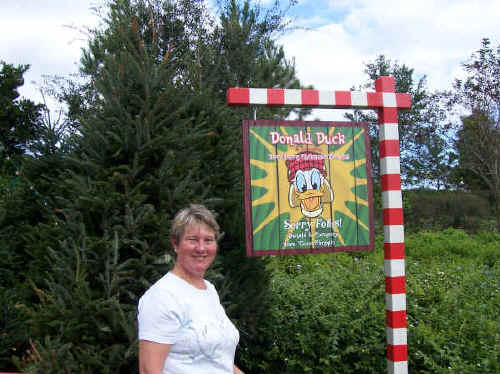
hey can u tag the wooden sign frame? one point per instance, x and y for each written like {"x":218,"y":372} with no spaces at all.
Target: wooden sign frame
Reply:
{"x":308,"y":187}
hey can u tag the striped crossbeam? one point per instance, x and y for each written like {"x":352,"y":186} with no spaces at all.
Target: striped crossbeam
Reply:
{"x":316,"y":98}
{"x":387,"y":102}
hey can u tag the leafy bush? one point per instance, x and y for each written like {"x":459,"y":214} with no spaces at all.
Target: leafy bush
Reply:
{"x":323,"y":314}
{"x":455,"y":245}
{"x":328,"y":313}
{"x":453,"y":286}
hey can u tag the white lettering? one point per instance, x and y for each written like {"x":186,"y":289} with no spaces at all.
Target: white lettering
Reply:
{"x":337,"y":139}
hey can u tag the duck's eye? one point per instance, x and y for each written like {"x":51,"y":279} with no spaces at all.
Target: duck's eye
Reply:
{"x":315,"y":179}
{"x":300,"y":182}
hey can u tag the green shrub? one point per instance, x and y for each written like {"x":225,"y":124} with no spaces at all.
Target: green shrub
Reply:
{"x":456,"y":245}
{"x":321,"y":311}
{"x":453,"y":304}
{"x":437,"y":210}
{"x":328,"y":313}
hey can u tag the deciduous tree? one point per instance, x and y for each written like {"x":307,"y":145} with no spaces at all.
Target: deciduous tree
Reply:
{"x":478,"y":141}
{"x":425,"y":159}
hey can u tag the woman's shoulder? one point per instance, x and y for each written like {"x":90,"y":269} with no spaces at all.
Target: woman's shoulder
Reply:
{"x":164,"y":294}
{"x":164,"y":285}
{"x":210,"y":285}
{"x":211,"y":290}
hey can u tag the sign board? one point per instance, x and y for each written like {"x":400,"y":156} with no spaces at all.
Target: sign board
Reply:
{"x":307,"y":187}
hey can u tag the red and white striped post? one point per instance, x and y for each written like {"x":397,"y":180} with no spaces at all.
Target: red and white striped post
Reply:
{"x":387,"y":102}
{"x":392,"y":210}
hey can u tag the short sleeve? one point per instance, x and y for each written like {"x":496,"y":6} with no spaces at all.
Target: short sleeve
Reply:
{"x":159,"y":317}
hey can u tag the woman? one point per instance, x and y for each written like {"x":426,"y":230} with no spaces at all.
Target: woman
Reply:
{"x":183,"y":328}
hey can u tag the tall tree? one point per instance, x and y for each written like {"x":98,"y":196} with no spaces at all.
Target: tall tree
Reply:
{"x":32,"y":148}
{"x":425,"y":161}
{"x":207,"y":57}
{"x":154,"y":133}
{"x":135,"y":162}
{"x":478,"y":141}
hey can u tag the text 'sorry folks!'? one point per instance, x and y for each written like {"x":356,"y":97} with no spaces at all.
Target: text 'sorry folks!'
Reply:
{"x":305,"y":137}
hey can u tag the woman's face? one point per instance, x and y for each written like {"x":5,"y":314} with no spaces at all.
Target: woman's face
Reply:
{"x":196,"y":249}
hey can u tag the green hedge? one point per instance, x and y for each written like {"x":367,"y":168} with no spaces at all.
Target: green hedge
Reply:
{"x":328,"y":313}
{"x":438,"y":210}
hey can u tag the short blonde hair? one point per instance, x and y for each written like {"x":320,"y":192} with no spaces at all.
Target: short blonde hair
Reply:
{"x":193,"y":214}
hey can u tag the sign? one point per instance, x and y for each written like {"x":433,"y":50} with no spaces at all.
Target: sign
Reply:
{"x":387,"y":102}
{"x":307,"y":187}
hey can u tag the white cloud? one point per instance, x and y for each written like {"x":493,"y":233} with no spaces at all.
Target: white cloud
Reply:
{"x":431,"y":36}
{"x":327,"y":58}
{"x":342,"y":4}
{"x":39,"y":36}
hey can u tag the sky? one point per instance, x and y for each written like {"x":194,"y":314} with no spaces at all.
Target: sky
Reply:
{"x":331,"y":42}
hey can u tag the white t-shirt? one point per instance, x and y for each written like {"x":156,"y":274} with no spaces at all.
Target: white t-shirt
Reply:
{"x":203,"y":340}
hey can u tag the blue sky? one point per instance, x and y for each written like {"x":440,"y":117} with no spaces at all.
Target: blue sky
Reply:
{"x":333,"y":40}
{"x":431,"y":36}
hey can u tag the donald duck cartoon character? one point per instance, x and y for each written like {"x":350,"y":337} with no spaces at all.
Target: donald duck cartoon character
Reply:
{"x":309,"y":187}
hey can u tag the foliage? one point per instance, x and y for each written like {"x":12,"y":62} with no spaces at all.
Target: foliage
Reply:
{"x":478,"y":141}
{"x":81,"y":315}
{"x":425,"y":161}
{"x":91,"y":256}
{"x":328,"y":310}
{"x":325,"y":318}
{"x":438,"y":210}
{"x":152,"y":132}
{"x":453,"y":301}
{"x":14,"y":331}
{"x":32,"y":155}
{"x":19,"y":118}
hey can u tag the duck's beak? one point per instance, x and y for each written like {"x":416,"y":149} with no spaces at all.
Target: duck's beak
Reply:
{"x":311,"y":199}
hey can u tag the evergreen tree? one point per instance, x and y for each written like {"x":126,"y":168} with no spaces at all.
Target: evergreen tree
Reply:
{"x":19,"y":118}
{"x":135,"y":162}
{"x":24,"y":164}
{"x":154,"y":133}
